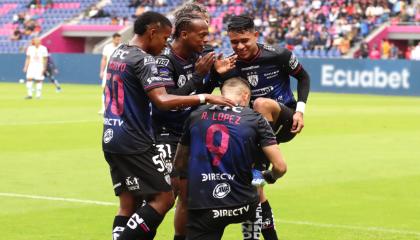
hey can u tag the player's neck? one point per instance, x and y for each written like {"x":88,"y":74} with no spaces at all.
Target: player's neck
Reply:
{"x":180,"y":50}
{"x":139,"y":42}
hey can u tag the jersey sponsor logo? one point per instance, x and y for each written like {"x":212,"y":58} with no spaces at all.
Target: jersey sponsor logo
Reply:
{"x":149,"y":60}
{"x":154,"y":70}
{"x":293,"y":62}
{"x":262,"y":91}
{"x":221,"y":190}
{"x":376,"y":78}
{"x":271,"y":74}
{"x":253,"y":79}
{"x":150,"y":80}
{"x":250,"y":68}
{"x":113,"y":122}
{"x":269,"y":48}
{"x":181,"y":80}
{"x":132,"y":183}
{"x":216,"y":176}
{"x":217,"y":213}
{"x":188,"y":66}
{"x":162,"y":61}
{"x":108,"y":135}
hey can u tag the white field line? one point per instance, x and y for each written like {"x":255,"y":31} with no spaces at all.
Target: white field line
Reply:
{"x":350,"y":227}
{"x":15,"y":195}
{"x":45,"y":122}
{"x":313,"y":224}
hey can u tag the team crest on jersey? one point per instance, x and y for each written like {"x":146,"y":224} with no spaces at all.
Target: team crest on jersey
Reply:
{"x":181,"y":80}
{"x":108,"y":135}
{"x":162,"y":61}
{"x":221,"y":190}
{"x":149,"y":60}
{"x":253,"y":79}
{"x":293,"y":62}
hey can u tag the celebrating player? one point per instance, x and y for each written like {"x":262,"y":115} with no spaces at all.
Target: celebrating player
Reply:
{"x":217,"y":150}
{"x":268,"y":71}
{"x":137,"y":170}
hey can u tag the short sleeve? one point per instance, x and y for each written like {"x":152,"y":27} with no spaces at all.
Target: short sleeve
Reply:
{"x":289,"y":62}
{"x":44,"y":52}
{"x":148,"y":74}
{"x":266,"y":135}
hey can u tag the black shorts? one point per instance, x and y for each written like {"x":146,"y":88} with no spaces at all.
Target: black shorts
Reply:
{"x":141,"y":174}
{"x":209,"y":224}
{"x":166,"y":144}
{"x":284,"y":124}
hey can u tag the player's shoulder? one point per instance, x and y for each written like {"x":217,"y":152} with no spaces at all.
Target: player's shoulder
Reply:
{"x":276,"y":51}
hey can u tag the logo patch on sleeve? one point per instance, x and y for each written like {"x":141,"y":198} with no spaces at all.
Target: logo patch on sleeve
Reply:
{"x":162,"y":61}
{"x":293,"y":62}
{"x":149,"y":60}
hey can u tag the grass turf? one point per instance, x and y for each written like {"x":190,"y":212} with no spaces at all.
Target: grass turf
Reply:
{"x":354,"y":172}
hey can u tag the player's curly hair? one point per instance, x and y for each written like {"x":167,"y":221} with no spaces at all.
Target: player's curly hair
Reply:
{"x":144,"y":20}
{"x":183,"y":23}
{"x":191,"y":8}
{"x":240,"y":23}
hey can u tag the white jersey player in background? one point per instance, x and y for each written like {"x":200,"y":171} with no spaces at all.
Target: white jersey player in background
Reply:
{"x":35,"y":67}
{"x":106,"y":54}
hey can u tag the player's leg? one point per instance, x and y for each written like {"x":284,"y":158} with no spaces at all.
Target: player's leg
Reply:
{"x":127,"y":208}
{"x":38,"y":88}
{"x":151,"y":180}
{"x":181,"y":212}
{"x":29,"y":88}
{"x":55,"y":82}
{"x":268,"y":226}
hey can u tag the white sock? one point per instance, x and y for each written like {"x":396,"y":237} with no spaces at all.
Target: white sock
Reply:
{"x":29,"y":85}
{"x":38,"y":89}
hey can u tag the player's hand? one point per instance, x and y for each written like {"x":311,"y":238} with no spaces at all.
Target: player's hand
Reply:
{"x":224,"y":65}
{"x":269,"y":177}
{"x":204,"y":63}
{"x":219,"y":100}
{"x":257,"y":178}
{"x":297,"y":122}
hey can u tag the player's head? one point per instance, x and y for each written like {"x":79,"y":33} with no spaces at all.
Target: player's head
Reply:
{"x":155,"y":29}
{"x":243,"y":37}
{"x":192,"y":30}
{"x":238,"y":90}
{"x":116,"y":39}
{"x":193,"y":8}
{"x":36,"y":42}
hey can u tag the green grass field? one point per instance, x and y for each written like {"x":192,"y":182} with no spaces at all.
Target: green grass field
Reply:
{"x":354,"y":172}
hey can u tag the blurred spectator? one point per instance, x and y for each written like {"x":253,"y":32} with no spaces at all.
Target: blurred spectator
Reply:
{"x":17,"y":35}
{"x":375,"y":53}
{"x":364,"y":50}
{"x":415,"y":53}
{"x":134,"y":3}
{"x":385,"y":49}
{"x":95,"y":12}
{"x":394,"y":51}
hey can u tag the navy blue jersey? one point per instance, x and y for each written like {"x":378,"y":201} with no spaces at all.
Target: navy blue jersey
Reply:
{"x":269,"y":74}
{"x":223,"y":142}
{"x":176,"y":72}
{"x":131,"y":72}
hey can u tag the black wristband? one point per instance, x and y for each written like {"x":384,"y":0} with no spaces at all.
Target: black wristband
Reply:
{"x":268,"y":176}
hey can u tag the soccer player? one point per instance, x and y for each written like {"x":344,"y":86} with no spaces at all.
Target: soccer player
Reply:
{"x":50,"y":73}
{"x":268,"y":71}
{"x":35,"y":67}
{"x":106,"y":54}
{"x":185,"y":69}
{"x":217,"y":149}
{"x":138,"y":173}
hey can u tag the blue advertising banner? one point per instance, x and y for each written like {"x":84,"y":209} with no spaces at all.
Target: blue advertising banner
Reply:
{"x":385,"y":77}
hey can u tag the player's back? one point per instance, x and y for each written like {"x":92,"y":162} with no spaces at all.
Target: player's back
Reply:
{"x":223,"y":143}
{"x":127,"y":121}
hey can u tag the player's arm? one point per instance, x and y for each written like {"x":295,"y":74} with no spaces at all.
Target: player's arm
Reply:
{"x":295,"y":69}
{"x":166,"y":101}
{"x":181,"y":157}
{"x":268,"y":143}
{"x":27,"y":60}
